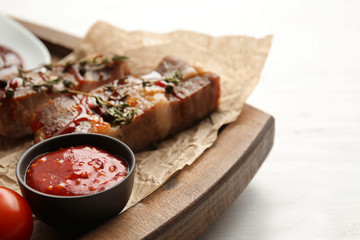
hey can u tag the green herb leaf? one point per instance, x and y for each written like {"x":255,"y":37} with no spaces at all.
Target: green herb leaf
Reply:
{"x":84,"y":62}
{"x":100,"y":101}
{"x":48,"y":67}
{"x":67,"y":83}
{"x":119,"y":58}
{"x":146,"y":83}
{"x":69,"y":63}
{"x":49,"y":83}
{"x":121,"y":116}
{"x":176,"y":79}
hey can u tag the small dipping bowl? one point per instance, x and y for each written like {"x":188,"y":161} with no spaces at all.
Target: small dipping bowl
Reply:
{"x":83,"y":210}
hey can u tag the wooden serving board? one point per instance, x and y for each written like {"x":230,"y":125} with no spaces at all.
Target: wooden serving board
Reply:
{"x":191,"y":200}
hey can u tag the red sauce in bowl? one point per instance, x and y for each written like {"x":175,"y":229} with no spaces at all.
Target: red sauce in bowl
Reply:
{"x":73,"y":171}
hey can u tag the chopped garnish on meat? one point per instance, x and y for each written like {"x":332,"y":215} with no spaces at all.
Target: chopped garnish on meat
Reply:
{"x":137,"y":110}
{"x":22,"y":94}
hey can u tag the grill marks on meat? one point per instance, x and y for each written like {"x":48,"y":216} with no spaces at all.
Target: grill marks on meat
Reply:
{"x":22,"y":94}
{"x":137,"y":110}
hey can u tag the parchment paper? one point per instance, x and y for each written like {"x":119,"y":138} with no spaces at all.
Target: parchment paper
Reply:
{"x":238,"y":60}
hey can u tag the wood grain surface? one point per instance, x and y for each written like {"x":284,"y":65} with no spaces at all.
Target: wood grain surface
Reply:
{"x":192,"y":199}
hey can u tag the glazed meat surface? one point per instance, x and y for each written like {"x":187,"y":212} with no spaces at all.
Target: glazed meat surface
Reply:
{"x":137,"y":110}
{"x":22,"y":94}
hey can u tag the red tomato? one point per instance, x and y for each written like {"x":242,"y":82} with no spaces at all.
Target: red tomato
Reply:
{"x":16,"y":221}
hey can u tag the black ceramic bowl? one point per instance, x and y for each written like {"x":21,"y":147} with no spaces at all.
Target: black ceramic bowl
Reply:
{"x":78,"y":211}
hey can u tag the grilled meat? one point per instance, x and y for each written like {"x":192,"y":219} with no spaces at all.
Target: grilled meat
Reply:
{"x":22,"y":94}
{"x":137,"y":110}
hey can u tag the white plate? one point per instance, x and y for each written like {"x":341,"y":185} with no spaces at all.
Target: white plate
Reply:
{"x":17,"y":38}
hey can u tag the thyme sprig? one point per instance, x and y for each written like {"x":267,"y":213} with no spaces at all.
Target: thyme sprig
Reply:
{"x":99,"y":100}
{"x":119,"y":58}
{"x":146,"y":83}
{"x":176,"y":78}
{"x":120,"y":113}
{"x":50,"y":83}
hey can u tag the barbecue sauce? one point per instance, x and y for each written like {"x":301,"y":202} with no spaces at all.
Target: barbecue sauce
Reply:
{"x":74,"y":171}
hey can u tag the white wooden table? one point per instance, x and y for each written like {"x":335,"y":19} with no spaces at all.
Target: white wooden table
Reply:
{"x":309,"y":186}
